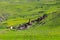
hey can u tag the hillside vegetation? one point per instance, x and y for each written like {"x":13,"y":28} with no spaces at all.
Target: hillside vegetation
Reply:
{"x":15,"y":12}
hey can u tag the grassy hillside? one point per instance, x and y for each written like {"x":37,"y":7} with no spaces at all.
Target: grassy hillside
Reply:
{"x":15,"y":12}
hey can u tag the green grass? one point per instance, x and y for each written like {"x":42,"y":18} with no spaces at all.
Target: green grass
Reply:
{"x":23,"y":10}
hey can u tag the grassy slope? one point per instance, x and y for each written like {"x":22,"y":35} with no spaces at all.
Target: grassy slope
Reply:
{"x":48,"y":31}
